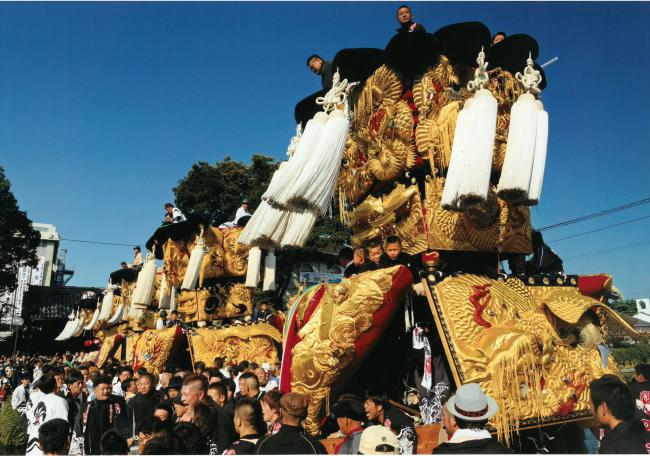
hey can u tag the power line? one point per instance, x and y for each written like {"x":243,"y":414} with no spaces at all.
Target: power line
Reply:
{"x":600,"y":229}
{"x":98,"y":242}
{"x":596,"y":214}
{"x":612,"y":249}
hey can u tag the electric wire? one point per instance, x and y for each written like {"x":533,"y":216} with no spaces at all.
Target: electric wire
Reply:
{"x":600,"y":229}
{"x":611,"y":249}
{"x":98,"y":242}
{"x":596,"y":214}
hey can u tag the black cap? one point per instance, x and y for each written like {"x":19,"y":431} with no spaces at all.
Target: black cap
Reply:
{"x":175,"y":383}
{"x":349,"y":408}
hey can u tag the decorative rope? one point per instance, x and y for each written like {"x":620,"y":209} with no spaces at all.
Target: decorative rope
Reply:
{"x":531,"y":78}
{"x":336,"y":95}
{"x":480,"y":74}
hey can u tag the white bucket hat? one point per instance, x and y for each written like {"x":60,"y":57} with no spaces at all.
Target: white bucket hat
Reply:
{"x":374,"y":436}
{"x":470,"y":403}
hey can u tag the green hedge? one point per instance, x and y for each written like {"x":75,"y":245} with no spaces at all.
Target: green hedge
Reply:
{"x":11,"y":433}
{"x":631,"y":355}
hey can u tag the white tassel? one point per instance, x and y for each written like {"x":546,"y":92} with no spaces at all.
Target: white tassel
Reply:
{"x":172,"y":300}
{"x":194,"y":265}
{"x":145,"y":286}
{"x":313,"y":190}
{"x":459,"y":154}
{"x":269,"y":272}
{"x":520,"y":151}
{"x":165,"y":293}
{"x":78,"y":328}
{"x":298,"y":229}
{"x":117,"y":316}
{"x":539,"y":163}
{"x":475,"y":184}
{"x":93,"y":320}
{"x":255,"y":223}
{"x":253,"y":270}
{"x":302,"y":161}
{"x":66,"y":330}
{"x":277,"y":181}
{"x":272,"y":228}
{"x":107,"y":304}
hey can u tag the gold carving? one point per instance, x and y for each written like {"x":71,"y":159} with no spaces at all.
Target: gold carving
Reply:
{"x":451,"y":230}
{"x":254,"y":343}
{"x":232,"y":300}
{"x":236,"y":260}
{"x":496,"y":333}
{"x":327,"y":339}
{"x":152,"y":348}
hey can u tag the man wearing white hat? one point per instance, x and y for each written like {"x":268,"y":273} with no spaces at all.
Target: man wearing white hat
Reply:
{"x":465,"y":417}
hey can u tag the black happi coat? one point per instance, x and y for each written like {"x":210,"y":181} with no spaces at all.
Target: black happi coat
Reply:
{"x":97,"y":417}
{"x":290,"y":440}
{"x":479,"y":446}
{"x":628,"y":437}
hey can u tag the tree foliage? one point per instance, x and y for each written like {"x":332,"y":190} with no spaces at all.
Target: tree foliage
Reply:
{"x":18,"y":239}
{"x":216,"y":191}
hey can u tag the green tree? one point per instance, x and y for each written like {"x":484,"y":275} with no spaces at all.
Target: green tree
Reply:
{"x":18,"y":239}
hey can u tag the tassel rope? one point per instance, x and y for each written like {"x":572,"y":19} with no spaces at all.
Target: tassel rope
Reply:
{"x":194,"y":265}
{"x":145,"y":286}
{"x":539,"y":163}
{"x":269,"y":272}
{"x":459,"y":153}
{"x":253,"y":269}
{"x":298,"y":229}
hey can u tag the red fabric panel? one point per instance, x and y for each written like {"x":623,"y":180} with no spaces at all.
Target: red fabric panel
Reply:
{"x":594,"y":285}
{"x":402,"y":281}
{"x":293,"y":339}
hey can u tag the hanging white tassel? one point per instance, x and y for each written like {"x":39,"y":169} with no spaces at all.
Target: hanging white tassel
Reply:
{"x":298,"y":229}
{"x":117,"y":316}
{"x":93,"y":320}
{"x":477,"y":167}
{"x":253,"y":270}
{"x":78,"y":328}
{"x":302,"y":160}
{"x":172,"y":300}
{"x":313,"y":190}
{"x":145,"y":286}
{"x":194,"y":265}
{"x":541,"y":140}
{"x":459,"y":154}
{"x":66,"y":329}
{"x":107,"y":304}
{"x":255,"y":223}
{"x":165,"y":293}
{"x":277,"y":181}
{"x":271,"y":229}
{"x":269,"y":272}
{"x":516,"y":180}
{"x":520,"y":150}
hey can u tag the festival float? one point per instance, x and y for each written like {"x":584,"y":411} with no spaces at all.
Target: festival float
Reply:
{"x":439,"y":139}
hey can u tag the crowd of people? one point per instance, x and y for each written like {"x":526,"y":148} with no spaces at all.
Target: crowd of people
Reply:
{"x":68,"y":407}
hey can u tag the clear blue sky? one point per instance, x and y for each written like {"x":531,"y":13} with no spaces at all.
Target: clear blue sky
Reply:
{"x":105,"y":106}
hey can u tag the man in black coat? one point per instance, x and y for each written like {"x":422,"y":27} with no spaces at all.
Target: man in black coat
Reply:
{"x":103,"y":413}
{"x":75,"y":397}
{"x":144,"y":403}
{"x":614,"y":408}
{"x":291,"y":438}
{"x":323,"y":68}
{"x":465,"y":417}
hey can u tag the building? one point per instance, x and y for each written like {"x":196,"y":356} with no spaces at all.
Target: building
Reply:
{"x":50,"y":271}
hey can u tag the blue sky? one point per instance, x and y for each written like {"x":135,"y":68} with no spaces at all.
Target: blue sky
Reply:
{"x":105,"y":106}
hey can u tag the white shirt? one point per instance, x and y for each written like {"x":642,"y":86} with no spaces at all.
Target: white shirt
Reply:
{"x":225,"y":373}
{"x":177,"y":215}
{"x":117,"y":389}
{"x":45,"y":407}
{"x":161,"y":324}
{"x":18,"y":397}
{"x":241,"y":212}
{"x":464,"y":435}
{"x":37,"y":373}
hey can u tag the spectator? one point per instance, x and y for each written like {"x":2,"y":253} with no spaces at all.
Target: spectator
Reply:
{"x":176,"y":214}
{"x":137,"y":258}
{"x":346,"y":255}
{"x":199,"y":367}
{"x":130,"y":389}
{"x":219,"y":363}
{"x":405,"y":20}
{"x":105,"y":412}
{"x":144,"y":403}
{"x":20,"y":395}
{"x":188,"y":440}
{"x":180,"y":409}
{"x":323,"y":68}
{"x":113,"y":443}
{"x":75,"y":397}
{"x":498,"y":37}
{"x":251,"y":386}
{"x":164,"y":411}
{"x":614,"y":407}
{"x":242,"y":212}
{"x":214,"y":375}
{"x":158,"y":445}
{"x":262,"y":377}
{"x":358,"y":259}
{"x":374,"y":256}
{"x":162,"y":321}
{"x":174,"y":319}
{"x":59,"y":376}
{"x":45,"y":406}
{"x":640,"y":387}
{"x":163,"y":382}
{"x":350,"y":415}
{"x":378,"y":440}
{"x":291,"y":439}
{"x":218,"y":392}
{"x":465,"y":417}
{"x":54,"y":437}
{"x":124,"y":372}
{"x":149,"y":429}
{"x":379,"y":411}
{"x":174,"y":388}
{"x":272,"y":411}
{"x":250,"y":426}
